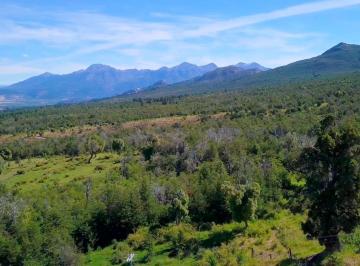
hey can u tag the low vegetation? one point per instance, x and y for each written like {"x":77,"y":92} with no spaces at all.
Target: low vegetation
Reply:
{"x":267,"y":177}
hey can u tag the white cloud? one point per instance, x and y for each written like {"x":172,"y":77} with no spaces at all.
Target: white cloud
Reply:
{"x":291,"y":11}
{"x":166,"y":40}
{"x":110,"y":31}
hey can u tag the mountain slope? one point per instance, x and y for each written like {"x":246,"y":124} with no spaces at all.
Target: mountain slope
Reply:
{"x":98,"y":81}
{"x":209,"y":81}
{"x":340,"y":59}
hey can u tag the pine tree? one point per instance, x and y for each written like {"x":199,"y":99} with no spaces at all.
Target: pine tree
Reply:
{"x":333,"y":183}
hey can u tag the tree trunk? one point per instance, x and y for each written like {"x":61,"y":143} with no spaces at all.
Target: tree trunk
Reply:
{"x":91,"y":156}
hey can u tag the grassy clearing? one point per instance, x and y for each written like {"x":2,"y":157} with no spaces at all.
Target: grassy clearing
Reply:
{"x":31,"y":174}
{"x":264,"y":242}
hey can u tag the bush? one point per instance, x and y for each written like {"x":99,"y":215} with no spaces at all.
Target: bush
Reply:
{"x":206,"y":226}
{"x":20,"y":172}
{"x":120,"y":253}
{"x":225,"y":255}
{"x":259,"y":229}
{"x":183,"y":239}
{"x":139,"y":239}
{"x":332,"y":260}
{"x":208,"y":258}
{"x":351,"y":240}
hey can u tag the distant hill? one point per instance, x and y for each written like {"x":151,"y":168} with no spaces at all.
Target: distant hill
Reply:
{"x":251,"y":66}
{"x":97,"y":81}
{"x":340,"y":59}
{"x":208,"y":80}
{"x":101,"y":81}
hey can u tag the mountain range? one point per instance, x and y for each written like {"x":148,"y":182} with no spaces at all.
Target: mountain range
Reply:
{"x":340,"y":59}
{"x":101,"y":81}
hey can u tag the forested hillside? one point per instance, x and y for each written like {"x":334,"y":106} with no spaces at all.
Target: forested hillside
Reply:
{"x":338,"y":60}
{"x":257,"y":177}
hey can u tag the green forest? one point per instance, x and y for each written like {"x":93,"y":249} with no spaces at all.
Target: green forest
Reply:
{"x":267,"y":176}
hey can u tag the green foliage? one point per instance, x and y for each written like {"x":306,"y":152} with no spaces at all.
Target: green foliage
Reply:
{"x":223,"y":256}
{"x":23,"y":236}
{"x":180,"y":206}
{"x":138,"y":240}
{"x":6,"y":154}
{"x":2,"y":165}
{"x":333,"y":182}
{"x":118,"y":145}
{"x":208,"y":202}
{"x":176,"y":170}
{"x":120,"y":253}
{"x":183,"y":239}
{"x":242,"y":200}
{"x":94,"y":145}
{"x":351,"y":240}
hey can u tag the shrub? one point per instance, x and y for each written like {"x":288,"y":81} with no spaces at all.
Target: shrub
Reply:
{"x":332,"y":260}
{"x":138,"y":240}
{"x":206,"y":226}
{"x":120,"y":253}
{"x":257,"y":230}
{"x":183,"y":239}
{"x":20,"y":172}
{"x":351,"y":240}
{"x":225,"y":255}
{"x":208,"y":258}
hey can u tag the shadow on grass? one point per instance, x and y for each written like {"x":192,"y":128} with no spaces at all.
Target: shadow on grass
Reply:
{"x":309,"y":261}
{"x":216,"y":238}
{"x":163,"y":251}
{"x":291,"y":262}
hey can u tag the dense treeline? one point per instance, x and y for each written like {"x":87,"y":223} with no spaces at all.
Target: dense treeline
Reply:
{"x":339,"y":93}
{"x":253,"y":163}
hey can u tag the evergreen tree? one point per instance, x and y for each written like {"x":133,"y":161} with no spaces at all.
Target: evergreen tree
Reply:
{"x":333,"y":183}
{"x":180,"y":206}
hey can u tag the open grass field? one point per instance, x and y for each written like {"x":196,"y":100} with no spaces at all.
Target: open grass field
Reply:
{"x":31,"y":174}
{"x":262,"y":243}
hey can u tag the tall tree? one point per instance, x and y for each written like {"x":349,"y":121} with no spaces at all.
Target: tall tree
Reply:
{"x":94,"y":145}
{"x":333,"y":183}
{"x":242,"y":200}
{"x":180,"y":206}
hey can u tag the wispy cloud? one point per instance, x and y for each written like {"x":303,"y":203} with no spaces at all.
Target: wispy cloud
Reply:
{"x":296,"y":10}
{"x":110,"y":31}
{"x":161,"y":39}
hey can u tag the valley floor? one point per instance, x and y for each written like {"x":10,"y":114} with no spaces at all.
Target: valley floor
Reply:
{"x":264,"y":242}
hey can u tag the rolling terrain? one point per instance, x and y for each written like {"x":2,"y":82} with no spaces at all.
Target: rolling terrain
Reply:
{"x":97,"y":209}
{"x":100,"y":81}
{"x":340,"y":59}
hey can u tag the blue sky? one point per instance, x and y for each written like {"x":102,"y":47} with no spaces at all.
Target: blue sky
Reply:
{"x":63,"y":36}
